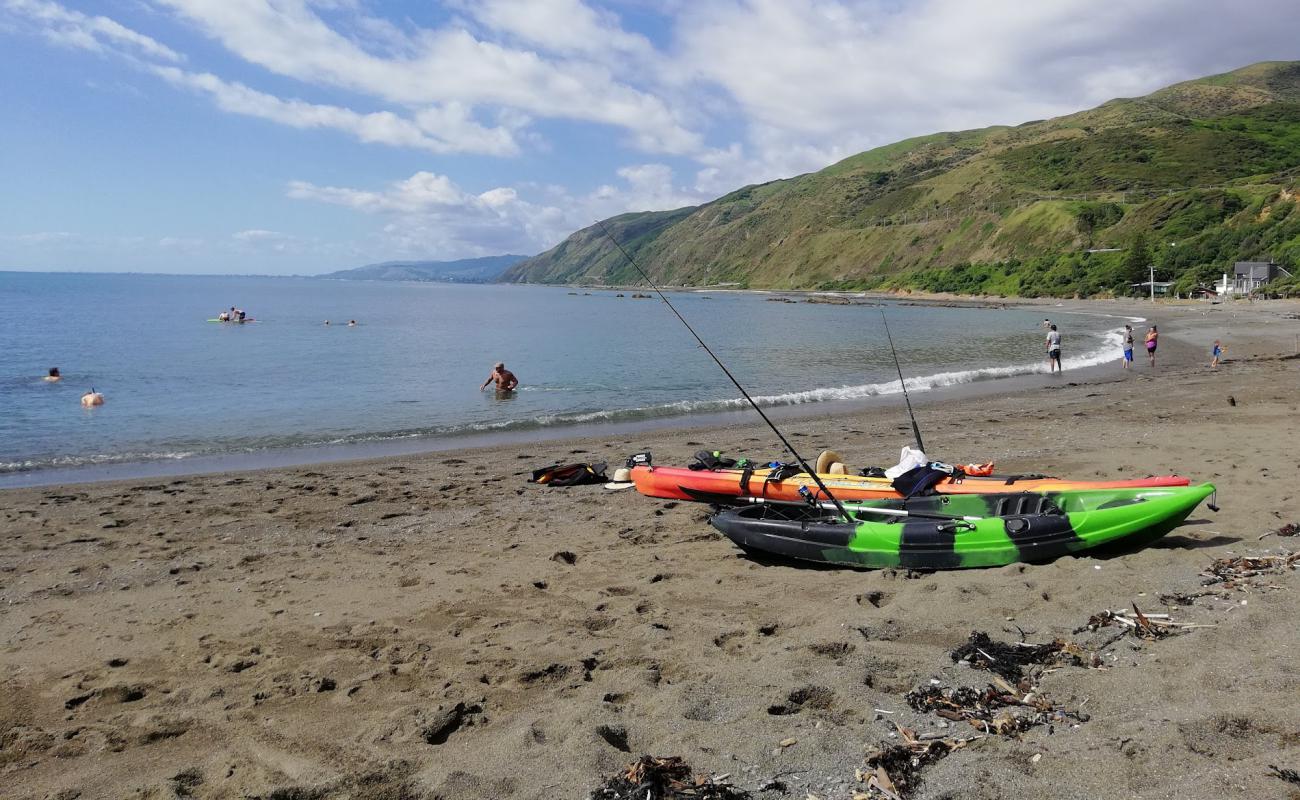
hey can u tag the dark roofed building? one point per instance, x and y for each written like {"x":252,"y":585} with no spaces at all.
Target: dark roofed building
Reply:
{"x":1247,"y":276}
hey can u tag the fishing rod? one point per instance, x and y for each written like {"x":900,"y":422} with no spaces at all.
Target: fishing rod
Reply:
{"x":915,"y":428}
{"x":720,"y":499}
{"x":789,"y":447}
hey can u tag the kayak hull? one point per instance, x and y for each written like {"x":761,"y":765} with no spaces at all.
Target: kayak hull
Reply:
{"x":1046,"y":526}
{"x":679,"y":483}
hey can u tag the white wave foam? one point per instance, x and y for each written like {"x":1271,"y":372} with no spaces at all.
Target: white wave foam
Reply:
{"x":90,"y":460}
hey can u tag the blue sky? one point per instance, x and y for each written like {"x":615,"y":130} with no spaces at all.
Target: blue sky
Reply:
{"x":302,"y":136}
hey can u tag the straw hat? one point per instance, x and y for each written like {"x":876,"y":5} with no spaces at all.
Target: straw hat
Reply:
{"x":622,"y":479}
{"x":826,"y":459}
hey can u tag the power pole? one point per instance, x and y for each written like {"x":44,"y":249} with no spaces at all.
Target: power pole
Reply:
{"x":1153,"y":283}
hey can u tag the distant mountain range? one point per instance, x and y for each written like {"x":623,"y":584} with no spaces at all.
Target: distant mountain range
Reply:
{"x":1189,"y":179}
{"x":467,"y":270}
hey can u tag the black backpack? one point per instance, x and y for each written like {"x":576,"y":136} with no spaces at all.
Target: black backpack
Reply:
{"x":711,"y":460}
{"x":570,"y":474}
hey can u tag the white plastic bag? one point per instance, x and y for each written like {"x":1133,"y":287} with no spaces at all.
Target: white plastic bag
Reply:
{"x":909,"y":458}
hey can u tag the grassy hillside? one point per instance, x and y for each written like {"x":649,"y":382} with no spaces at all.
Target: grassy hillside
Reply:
{"x":466,"y":270}
{"x":1207,"y":166}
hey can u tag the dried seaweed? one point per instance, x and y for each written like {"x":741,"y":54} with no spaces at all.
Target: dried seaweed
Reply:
{"x":1239,"y":573}
{"x":650,"y":778}
{"x":1288,"y":775}
{"x":1289,"y":529}
{"x":894,"y":766}
{"x":1007,"y":659}
{"x":998,"y":709}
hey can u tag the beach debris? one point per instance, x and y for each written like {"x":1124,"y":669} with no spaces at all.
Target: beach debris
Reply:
{"x":1011,"y":659}
{"x":894,"y":766}
{"x":671,"y":778}
{"x":1143,"y":626}
{"x":1289,"y":529}
{"x":1239,"y":572}
{"x":1288,"y":775}
{"x":1000,"y":709}
{"x":1184,"y":598}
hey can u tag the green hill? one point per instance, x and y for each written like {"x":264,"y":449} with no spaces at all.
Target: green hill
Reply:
{"x":466,"y":270}
{"x":1208,"y":166}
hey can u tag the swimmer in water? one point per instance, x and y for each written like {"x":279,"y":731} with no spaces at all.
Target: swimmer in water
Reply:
{"x":54,"y":375}
{"x":504,"y":378}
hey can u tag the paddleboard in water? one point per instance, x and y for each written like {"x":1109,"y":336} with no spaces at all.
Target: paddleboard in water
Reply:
{"x":237,"y":321}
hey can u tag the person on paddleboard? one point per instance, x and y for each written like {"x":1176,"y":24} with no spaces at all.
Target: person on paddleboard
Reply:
{"x":505,"y":379}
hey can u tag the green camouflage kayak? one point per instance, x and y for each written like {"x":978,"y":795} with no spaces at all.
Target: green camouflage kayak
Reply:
{"x":956,"y":531}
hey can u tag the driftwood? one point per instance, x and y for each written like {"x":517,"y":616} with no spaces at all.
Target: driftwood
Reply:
{"x":1143,"y":626}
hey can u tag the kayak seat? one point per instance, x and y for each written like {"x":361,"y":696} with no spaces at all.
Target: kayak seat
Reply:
{"x":1016,"y":505}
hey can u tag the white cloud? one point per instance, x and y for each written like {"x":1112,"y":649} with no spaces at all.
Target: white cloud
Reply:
{"x":445,"y":130}
{"x":569,"y":27}
{"x":436,"y":66}
{"x":428,"y":215}
{"x":75,"y":29}
{"x":41,"y":238}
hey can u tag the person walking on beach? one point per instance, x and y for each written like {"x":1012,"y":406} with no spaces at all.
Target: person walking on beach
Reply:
{"x":505,"y":379}
{"x":1152,"y":339}
{"x":1217,"y":354}
{"x":1128,"y":346}
{"x":1053,"y":349}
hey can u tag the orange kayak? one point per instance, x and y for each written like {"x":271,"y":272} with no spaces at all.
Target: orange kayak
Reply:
{"x":678,"y":483}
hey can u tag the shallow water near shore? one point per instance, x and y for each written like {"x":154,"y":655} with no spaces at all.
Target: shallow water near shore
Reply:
{"x":181,"y":389}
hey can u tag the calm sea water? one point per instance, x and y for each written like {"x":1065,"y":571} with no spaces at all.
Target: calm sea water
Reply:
{"x":179,"y":387}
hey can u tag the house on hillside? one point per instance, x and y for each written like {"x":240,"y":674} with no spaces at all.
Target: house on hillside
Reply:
{"x":1247,"y":276}
{"x":1147,"y":288}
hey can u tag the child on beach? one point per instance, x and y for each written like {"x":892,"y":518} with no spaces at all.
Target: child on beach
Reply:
{"x":1217,"y":354}
{"x":1128,"y":346}
{"x":1152,"y":336}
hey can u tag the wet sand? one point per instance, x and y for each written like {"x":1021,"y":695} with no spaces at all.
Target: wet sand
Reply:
{"x":433,"y":626}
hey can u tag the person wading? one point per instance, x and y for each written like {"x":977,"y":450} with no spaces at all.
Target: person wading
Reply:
{"x":504,"y":378}
{"x":1053,"y":349}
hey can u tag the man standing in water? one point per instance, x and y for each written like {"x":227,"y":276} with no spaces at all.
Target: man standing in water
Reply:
{"x":1053,"y":349}
{"x":505,"y":379}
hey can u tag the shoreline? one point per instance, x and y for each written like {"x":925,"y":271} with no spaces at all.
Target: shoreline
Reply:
{"x":973,"y":383}
{"x":432,"y":625}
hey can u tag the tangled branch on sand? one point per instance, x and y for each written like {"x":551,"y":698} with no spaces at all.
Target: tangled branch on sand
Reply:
{"x":1143,"y":626}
